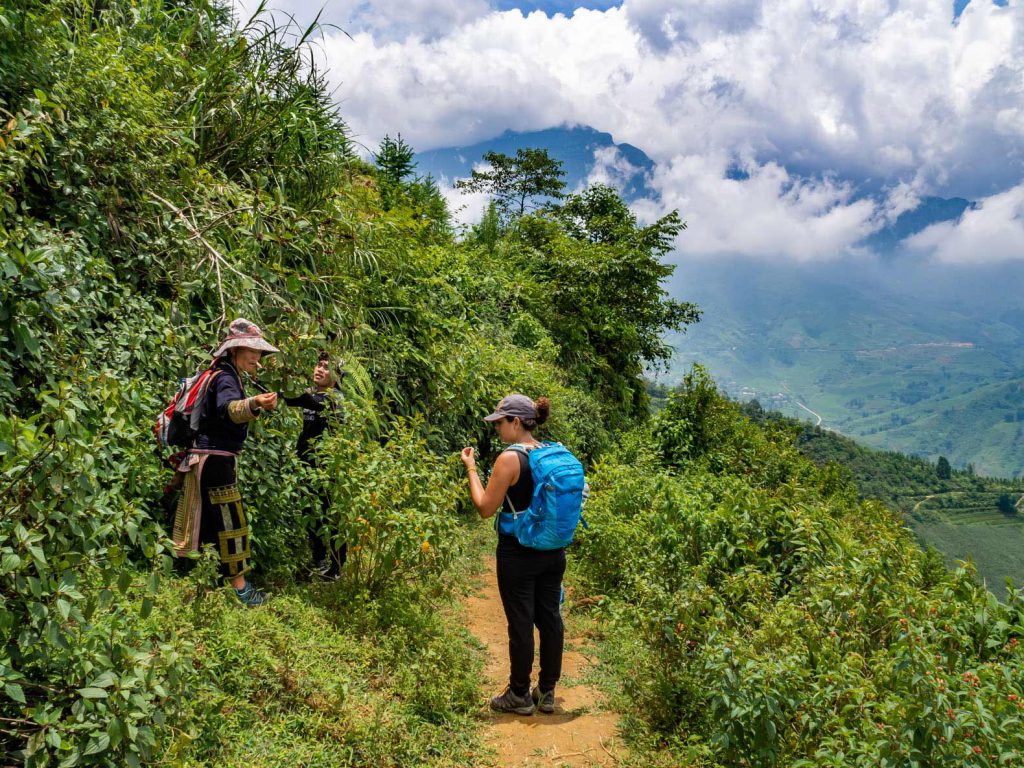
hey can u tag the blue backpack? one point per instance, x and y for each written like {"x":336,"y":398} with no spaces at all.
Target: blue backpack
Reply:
{"x":557,"y":504}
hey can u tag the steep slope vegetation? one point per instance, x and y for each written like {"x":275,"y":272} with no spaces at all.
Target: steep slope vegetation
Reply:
{"x":161,"y":172}
{"x":762,"y":614}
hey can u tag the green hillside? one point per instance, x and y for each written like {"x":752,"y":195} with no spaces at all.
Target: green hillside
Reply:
{"x":964,"y":516}
{"x":162,"y":171}
{"x":905,"y":359}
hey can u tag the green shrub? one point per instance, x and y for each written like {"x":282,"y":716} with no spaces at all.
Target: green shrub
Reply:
{"x":81,"y":681}
{"x":786,"y":623}
{"x":393,"y":503}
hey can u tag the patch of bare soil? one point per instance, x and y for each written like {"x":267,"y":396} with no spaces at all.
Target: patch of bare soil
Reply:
{"x":581,"y":732}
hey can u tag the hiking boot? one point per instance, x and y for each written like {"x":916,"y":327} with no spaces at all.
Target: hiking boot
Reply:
{"x":509,"y":702}
{"x":249,"y":596}
{"x":544,"y":701}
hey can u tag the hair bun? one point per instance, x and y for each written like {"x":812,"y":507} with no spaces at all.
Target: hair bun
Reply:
{"x":543,"y":408}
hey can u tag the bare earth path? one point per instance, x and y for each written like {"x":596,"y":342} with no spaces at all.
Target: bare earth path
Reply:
{"x":579,"y":733}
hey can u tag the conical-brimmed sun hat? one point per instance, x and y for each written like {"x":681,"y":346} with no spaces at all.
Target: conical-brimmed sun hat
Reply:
{"x":242,"y":333}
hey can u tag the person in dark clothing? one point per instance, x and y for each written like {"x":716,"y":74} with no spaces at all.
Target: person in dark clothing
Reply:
{"x":529,"y":580}
{"x":321,"y":407}
{"x":210,"y":508}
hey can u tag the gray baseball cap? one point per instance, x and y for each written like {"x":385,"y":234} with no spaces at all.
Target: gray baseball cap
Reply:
{"x":512,"y":406}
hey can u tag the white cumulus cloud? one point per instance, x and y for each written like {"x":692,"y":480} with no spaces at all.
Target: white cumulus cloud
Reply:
{"x":769,"y":214}
{"x":817,"y":98}
{"x":612,"y":169}
{"x":993,"y":230}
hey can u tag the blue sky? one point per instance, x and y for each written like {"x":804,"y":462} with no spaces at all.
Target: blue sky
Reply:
{"x":815,"y":100}
{"x":960,"y":5}
{"x":554,"y":6}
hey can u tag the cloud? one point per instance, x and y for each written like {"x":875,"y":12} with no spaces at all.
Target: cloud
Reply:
{"x":865,"y":88}
{"x":466,"y":207}
{"x":422,"y":19}
{"x":502,"y":71}
{"x":902,"y":198}
{"x":993,"y":230}
{"x":835,"y":96}
{"x":665,"y":23}
{"x":612,"y":169}
{"x":768,"y":214}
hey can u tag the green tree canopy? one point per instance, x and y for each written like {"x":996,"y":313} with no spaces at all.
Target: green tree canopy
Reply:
{"x":942,"y":469}
{"x":515,"y":182}
{"x":394,"y":160}
{"x":603,"y":299}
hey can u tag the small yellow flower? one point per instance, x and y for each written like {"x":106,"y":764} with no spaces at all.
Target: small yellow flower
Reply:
{"x":424,"y":547}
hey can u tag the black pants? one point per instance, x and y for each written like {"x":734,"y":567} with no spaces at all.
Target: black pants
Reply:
{"x":317,"y":547}
{"x":530,"y":583}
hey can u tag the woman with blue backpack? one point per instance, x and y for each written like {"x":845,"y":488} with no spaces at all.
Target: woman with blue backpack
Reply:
{"x":536,"y":489}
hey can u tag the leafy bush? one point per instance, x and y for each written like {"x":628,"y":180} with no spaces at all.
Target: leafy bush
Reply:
{"x":787,"y":623}
{"x":392,"y":503}
{"x":79,"y":677}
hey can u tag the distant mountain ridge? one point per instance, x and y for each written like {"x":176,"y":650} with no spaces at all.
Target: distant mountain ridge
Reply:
{"x":581,"y":149}
{"x":591,"y":154}
{"x":925,"y":360}
{"x":930,"y":210}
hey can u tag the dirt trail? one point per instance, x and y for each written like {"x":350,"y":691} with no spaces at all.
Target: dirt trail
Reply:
{"x":579,"y":733}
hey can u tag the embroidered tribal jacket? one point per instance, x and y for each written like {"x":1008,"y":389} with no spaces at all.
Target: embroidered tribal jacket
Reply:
{"x":225,"y":423}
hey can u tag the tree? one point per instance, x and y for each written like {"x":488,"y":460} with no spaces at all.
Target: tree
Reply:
{"x":488,"y":230}
{"x":1006,"y":505}
{"x":602,"y":291}
{"x":394,"y":163}
{"x":515,"y":181}
{"x":600,"y":215}
{"x":943,"y":470}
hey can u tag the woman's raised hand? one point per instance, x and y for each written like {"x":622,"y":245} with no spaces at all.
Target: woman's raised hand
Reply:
{"x":267,"y":401}
{"x":467,"y":457}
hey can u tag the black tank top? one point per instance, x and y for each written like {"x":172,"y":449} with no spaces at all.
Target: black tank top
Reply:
{"x":520,"y":493}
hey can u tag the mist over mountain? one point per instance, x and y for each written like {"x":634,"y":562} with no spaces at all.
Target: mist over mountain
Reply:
{"x":586,"y":153}
{"x":924,"y":359}
{"x":590,"y":155}
{"x":930,"y":210}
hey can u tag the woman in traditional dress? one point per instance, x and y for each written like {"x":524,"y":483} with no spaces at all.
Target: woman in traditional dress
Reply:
{"x":210,"y":510}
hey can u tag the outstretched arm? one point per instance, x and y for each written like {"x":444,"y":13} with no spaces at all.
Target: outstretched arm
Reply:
{"x":305,"y":400}
{"x":231,"y":404}
{"x":504,"y":476}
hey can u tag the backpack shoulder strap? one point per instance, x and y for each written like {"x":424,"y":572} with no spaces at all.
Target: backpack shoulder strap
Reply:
{"x":523,"y":451}
{"x":203,"y":382}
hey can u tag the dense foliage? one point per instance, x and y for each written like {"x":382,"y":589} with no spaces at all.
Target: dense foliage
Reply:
{"x":764,"y":615}
{"x":161,"y":172}
{"x":960,"y":513}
